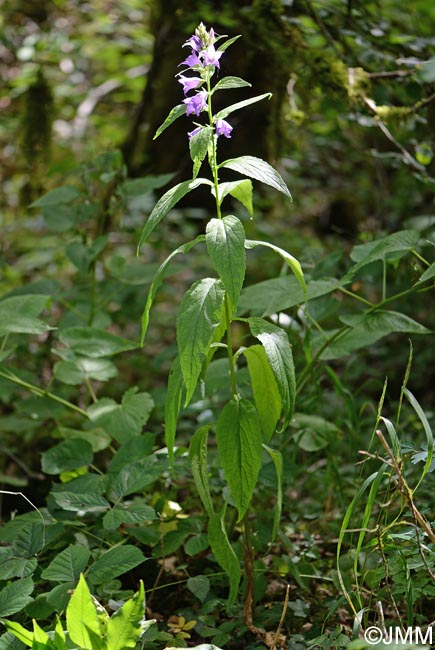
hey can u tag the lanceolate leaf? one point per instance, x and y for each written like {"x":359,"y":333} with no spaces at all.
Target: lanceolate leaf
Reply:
{"x":279,"y":353}
{"x":235,"y":107}
{"x":293,"y":263}
{"x":199,"y":467}
{"x":224,"y":554}
{"x":258,"y":169}
{"x":199,"y":315}
{"x":277,"y":461}
{"x":239,"y":440}
{"x":198,"y":144}
{"x":173,"y":406}
{"x":81,"y":617}
{"x":225,"y":244}
{"x":265,"y":389}
{"x":124,"y":628}
{"x":240,"y":190}
{"x":231,"y":82}
{"x":166,"y":203}
{"x":158,"y":279}
{"x":175,"y":113}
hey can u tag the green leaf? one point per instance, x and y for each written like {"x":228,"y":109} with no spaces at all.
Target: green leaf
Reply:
{"x":81,"y":617}
{"x":240,"y":190}
{"x":15,"y":637}
{"x":199,"y":315}
{"x":23,"y":635}
{"x":115,"y":562}
{"x":199,"y":586}
{"x":279,"y":353}
{"x":134,"y":477}
{"x":122,"y":421}
{"x":278,"y":294}
{"x":18,"y":314}
{"x":76,"y":372}
{"x":230,"y":82}
{"x":175,"y":113}
{"x":134,"y":187}
{"x":293,"y":263}
{"x":124,"y":627}
{"x":313,"y":431}
{"x":97,"y":437}
{"x":235,"y":107}
{"x":264,"y":388}
{"x":239,"y":440}
{"x":128,"y":513}
{"x":63,"y":194}
{"x":93,"y":342}
{"x":16,"y":567}
{"x":158,"y":279}
{"x":397,"y":244}
{"x":199,"y":466}
{"x":67,"y":565}
{"x":67,"y":455}
{"x":81,"y":502}
{"x":224,"y":554}
{"x":166,"y":203}
{"x":426,"y":71}
{"x":198,"y":146}
{"x":368,"y":328}
{"x":428,"y":274}
{"x":225,"y":240}
{"x":82,"y":255}
{"x":15,"y":596}
{"x":276,"y":457}
{"x":172,"y":407}
{"x":258,"y":169}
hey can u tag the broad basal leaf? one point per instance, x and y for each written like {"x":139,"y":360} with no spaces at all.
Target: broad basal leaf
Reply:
{"x":94,"y":342}
{"x":239,"y":440}
{"x":279,"y":354}
{"x":258,"y":169}
{"x":125,"y":626}
{"x":224,"y":553}
{"x":166,"y":203}
{"x":265,"y":389}
{"x":125,"y":420}
{"x":198,"y":317}
{"x":18,"y":314}
{"x":225,"y":244}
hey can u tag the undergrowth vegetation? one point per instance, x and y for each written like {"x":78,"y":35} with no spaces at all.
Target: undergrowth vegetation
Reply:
{"x":275,"y":491}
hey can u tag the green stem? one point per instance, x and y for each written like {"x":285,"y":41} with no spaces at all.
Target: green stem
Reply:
{"x":214,"y":171}
{"x":40,"y":392}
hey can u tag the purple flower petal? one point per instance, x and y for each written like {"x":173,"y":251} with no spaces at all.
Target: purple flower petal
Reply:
{"x":223,"y":128}
{"x":195,"y":43}
{"x":194,"y":132}
{"x":196,"y":103}
{"x":212,"y":56}
{"x":189,"y":83}
{"x":191,"y":60}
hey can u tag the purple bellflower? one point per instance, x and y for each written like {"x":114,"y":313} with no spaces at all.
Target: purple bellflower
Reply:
{"x":211,"y":56}
{"x":195,"y":43}
{"x":223,"y":128}
{"x":196,"y":103}
{"x":189,"y":83}
{"x":191,"y":134}
{"x":192,"y":60}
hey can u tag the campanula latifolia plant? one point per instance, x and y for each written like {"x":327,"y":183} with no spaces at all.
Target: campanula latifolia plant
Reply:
{"x":248,"y":421}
